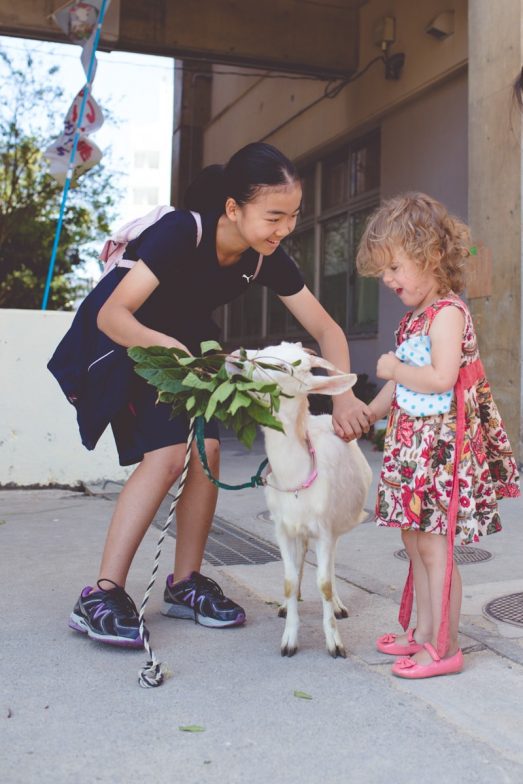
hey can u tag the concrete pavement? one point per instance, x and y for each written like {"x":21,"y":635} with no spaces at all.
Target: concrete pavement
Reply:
{"x":72,"y":710}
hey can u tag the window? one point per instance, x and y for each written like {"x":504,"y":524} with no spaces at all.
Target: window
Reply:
{"x":339,"y":192}
{"x":147,"y":159}
{"x":145,"y":195}
{"x":349,"y":193}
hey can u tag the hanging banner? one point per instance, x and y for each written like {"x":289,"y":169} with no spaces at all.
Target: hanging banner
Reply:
{"x":78,"y":20}
{"x":88,"y":154}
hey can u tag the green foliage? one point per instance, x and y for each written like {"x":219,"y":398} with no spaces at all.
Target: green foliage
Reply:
{"x":203,"y":386}
{"x":32,"y":109}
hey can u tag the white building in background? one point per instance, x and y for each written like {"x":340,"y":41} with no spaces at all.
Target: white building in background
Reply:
{"x":145,"y":138}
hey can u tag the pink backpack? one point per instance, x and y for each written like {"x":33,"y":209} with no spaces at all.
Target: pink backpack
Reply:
{"x":114,"y":249}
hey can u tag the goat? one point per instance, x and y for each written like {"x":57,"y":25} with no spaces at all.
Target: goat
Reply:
{"x":317,"y":483}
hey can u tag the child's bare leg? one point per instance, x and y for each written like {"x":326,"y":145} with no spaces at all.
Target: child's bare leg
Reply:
{"x":195,"y":512}
{"x":139,"y":501}
{"x":423,"y":630}
{"x":433,"y":551}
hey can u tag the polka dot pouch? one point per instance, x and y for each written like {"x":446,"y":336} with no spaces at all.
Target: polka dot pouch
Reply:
{"x":416,"y":351}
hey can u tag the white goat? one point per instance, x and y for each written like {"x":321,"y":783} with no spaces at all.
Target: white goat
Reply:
{"x":317,"y":483}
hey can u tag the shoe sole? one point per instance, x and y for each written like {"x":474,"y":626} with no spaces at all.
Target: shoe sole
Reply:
{"x":79,"y":624}
{"x":185,"y":613}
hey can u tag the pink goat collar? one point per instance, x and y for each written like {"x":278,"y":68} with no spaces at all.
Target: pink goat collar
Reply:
{"x":310,"y":479}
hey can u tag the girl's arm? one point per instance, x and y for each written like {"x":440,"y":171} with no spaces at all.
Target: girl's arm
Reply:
{"x":380,"y":405}
{"x":351,"y":416}
{"x":116,"y":317}
{"x":446,"y":335}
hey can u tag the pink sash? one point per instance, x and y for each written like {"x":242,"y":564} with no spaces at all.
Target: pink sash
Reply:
{"x":468,"y":376}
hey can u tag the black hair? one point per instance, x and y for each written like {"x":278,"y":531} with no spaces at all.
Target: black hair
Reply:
{"x":255,"y":166}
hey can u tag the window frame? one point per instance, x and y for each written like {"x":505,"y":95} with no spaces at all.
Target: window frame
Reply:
{"x":350,"y":206}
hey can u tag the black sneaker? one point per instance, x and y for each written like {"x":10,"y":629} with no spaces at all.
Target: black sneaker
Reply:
{"x":107,"y":616}
{"x":201,"y":600}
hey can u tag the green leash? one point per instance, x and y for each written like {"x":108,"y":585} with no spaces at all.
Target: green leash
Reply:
{"x":255,"y":481}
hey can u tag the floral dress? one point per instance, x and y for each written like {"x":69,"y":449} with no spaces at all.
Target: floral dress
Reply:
{"x":416,"y":480}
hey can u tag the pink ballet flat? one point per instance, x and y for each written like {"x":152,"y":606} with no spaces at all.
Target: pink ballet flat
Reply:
{"x":408,"y":668}
{"x":387,"y":644}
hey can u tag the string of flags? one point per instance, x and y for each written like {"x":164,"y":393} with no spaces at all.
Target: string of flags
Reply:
{"x":78,"y":20}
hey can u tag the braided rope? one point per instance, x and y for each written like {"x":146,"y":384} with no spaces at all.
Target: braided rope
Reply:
{"x":151,"y":674}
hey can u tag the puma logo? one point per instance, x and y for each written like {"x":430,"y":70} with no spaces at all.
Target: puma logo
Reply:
{"x":248,"y":278}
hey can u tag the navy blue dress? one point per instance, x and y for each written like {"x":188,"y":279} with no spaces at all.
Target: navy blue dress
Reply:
{"x":192,"y":285}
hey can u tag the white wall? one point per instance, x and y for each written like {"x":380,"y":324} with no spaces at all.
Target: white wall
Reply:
{"x":39,"y":440}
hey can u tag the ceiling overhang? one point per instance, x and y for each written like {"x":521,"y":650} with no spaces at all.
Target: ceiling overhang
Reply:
{"x":318,"y":37}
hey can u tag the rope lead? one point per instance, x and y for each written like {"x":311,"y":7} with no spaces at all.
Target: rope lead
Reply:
{"x":151,"y":674}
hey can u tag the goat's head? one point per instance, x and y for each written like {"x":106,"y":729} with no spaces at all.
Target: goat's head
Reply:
{"x":290,"y":366}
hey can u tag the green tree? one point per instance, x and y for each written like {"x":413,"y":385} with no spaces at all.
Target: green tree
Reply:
{"x":30,"y":198}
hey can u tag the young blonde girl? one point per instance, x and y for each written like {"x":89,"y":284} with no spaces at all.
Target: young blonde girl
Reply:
{"x":447,"y":458}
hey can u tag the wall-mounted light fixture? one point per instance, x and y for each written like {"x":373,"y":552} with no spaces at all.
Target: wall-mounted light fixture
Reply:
{"x":441,"y":26}
{"x":383,"y":36}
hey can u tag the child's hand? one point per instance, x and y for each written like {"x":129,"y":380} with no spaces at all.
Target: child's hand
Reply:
{"x":387,"y":366}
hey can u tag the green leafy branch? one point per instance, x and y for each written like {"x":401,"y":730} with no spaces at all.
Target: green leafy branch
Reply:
{"x":204,"y":386}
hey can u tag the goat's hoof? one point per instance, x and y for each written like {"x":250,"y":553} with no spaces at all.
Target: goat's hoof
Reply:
{"x":341,"y":613}
{"x":289,"y":650}
{"x":338,"y":650}
{"x":282,"y":612}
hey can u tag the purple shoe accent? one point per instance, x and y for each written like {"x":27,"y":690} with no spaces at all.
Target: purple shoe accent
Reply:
{"x":76,"y":626}
{"x":108,"y":616}
{"x":200,"y":599}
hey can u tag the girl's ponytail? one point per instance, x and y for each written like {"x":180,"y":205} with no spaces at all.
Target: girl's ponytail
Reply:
{"x":207,"y":191}
{"x":255,"y":166}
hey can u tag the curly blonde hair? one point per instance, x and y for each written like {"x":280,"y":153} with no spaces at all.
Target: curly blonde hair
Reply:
{"x":424,"y":229}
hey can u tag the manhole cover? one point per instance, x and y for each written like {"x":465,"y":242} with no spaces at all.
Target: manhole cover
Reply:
{"x":508,"y":609}
{"x":462,"y":555}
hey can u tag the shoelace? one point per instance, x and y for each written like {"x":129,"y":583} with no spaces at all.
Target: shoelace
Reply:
{"x":209,"y":586}
{"x":118,"y":599}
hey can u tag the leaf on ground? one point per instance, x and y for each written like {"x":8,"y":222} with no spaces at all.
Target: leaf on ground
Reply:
{"x":3,"y":522}
{"x":191,"y":728}
{"x":302,"y":695}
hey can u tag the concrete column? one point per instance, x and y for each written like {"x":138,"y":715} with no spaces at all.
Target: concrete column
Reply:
{"x":495,"y":179}
{"x":192,"y":109}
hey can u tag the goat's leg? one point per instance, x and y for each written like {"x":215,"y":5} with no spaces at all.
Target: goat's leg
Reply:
{"x":340,"y":611}
{"x":289,"y":553}
{"x":302,"y":544}
{"x":325,"y":556}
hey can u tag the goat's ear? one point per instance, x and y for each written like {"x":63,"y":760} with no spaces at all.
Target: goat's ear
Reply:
{"x":332,"y":385}
{"x":325,"y":364}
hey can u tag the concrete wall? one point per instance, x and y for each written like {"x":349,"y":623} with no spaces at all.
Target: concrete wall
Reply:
{"x":39,"y":440}
{"x":495,"y":197}
{"x":245,"y":110}
{"x":422,"y":117}
{"x":424,"y":147}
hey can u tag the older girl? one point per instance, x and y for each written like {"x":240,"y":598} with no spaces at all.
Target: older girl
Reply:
{"x":247,"y":208}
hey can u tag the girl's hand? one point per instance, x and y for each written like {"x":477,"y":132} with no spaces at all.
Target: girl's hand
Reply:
{"x":351,"y":417}
{"x":387,"y":366}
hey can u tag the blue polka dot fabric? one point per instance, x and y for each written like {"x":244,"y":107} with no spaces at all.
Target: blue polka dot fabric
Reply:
{"x":416,"y":351}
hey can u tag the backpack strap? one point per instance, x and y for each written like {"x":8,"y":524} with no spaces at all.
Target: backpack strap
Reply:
{"x":198,"y":218}
{"x":258,"y":267}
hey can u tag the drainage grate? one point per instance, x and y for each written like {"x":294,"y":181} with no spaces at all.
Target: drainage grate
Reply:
{"x":463,"y":555}
{"x":227,"y":544}
{"x":508,"y":609}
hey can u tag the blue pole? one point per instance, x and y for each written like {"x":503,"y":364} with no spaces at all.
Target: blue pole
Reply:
{"x":70,"y":169}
